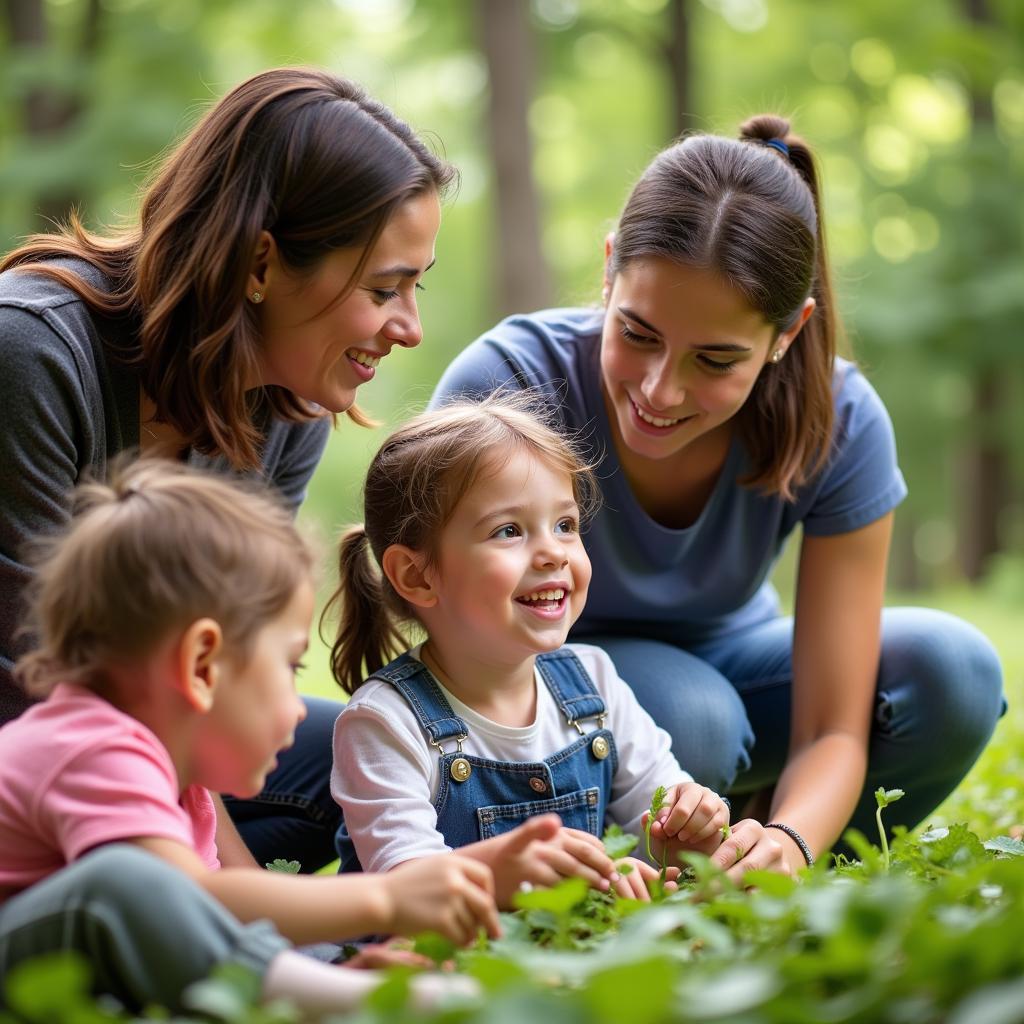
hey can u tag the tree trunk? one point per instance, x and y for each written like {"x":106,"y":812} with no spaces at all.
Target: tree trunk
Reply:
{"x":46,"y":111}
{"x":523,"y":280}
{"x":984,"y":478}
{"x":678,"y":59}
{"x":985,"y":464}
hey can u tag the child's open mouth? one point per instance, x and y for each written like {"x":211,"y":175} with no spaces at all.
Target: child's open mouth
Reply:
{"x":548,"y":603}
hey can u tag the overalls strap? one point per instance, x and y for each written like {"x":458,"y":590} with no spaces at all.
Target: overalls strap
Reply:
{"x":572,"y":688}
{"x":430,"y":706}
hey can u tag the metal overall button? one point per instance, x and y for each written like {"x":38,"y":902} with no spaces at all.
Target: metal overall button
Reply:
{"x":460,"y":769}
{"x":538,"y":785}
{"x":600,"y":748}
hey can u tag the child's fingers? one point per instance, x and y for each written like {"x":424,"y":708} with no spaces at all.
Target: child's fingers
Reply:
{"x":481,"y":913}
{"x":380,"y":956}
{"x":632,"y":886}
{"x":588,"y":850}
{"x":478,"y":895}
{"x":567,"y":865}
{"x":636,"y":881}
{"x":694,"y":813}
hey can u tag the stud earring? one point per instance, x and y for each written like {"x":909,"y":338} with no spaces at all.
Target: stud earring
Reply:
{"x":777,"y":355}
{"x":256,"y":297}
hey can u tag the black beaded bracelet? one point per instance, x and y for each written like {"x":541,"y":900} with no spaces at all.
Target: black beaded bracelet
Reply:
{"x":797,"y":838}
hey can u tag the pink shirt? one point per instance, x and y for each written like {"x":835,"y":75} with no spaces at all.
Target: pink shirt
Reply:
{"x":75,"y":772}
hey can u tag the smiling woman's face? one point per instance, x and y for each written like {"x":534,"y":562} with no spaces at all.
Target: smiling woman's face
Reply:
{"x":681,"y":350}
{"x":322,"y":349}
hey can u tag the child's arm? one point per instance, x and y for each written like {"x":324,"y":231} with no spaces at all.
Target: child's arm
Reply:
{"x":231,"y":848}
{"x":447,"y":894}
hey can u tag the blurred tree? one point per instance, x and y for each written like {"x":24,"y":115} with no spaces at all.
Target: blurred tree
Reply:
{"x":49,"y":106}
{"x":524,"y":281}
{"x":985,"y":461}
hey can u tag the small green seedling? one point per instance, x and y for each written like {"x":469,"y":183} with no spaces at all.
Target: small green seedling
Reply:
{"x":286,"y":867}
{"x":884,"y":797}
{"x":657,"y":803}
{"x":726,"y":831}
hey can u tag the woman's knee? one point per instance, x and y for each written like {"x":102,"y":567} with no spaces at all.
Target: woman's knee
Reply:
{"x":693,"y":702}
{"x":940,"y":678}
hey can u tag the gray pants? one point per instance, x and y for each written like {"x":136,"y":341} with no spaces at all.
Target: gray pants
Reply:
{"x":147,"y":930}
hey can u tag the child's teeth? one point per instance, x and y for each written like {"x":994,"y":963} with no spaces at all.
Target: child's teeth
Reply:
{"x":546,"y":595}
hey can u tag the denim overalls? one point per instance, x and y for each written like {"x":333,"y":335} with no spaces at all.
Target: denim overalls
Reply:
{"x":478,"y":798}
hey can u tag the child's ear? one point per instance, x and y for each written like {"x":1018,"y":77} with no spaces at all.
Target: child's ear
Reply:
{"x":406,"y":571}
{"x":199,"y":649}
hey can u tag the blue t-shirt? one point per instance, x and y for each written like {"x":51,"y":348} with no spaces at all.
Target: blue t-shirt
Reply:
{"x":696,"y":584}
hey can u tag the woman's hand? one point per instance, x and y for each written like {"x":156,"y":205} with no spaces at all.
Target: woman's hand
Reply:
{"x":752,"y":847}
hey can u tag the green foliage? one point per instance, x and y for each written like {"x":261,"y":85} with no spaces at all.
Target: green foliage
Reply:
{"x":934,"y":939}
{"x":286,"y":867}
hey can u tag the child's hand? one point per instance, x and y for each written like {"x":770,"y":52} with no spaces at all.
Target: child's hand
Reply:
{"x":446,"y":893}
{"x":635,"y":883}
{"x":572,"y":853}
{"x":540,"y":852}
{"x":692,"y":819}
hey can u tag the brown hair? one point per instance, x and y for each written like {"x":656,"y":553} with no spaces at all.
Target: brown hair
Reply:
{"x":157,"y":548}
{"x":298,"y":152}
{"x":751,"y":212}
{"x":412,"y":488}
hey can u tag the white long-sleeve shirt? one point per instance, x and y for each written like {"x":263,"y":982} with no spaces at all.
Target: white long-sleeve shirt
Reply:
{"x":385,"y":774}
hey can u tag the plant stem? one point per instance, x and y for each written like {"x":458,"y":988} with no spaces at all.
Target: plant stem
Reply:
{"x":882,"y":836}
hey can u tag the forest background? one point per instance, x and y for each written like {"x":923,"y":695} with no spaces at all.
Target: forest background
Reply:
{"x":551,"y":108}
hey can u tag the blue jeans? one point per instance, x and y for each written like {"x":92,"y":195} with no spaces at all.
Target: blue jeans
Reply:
{"x":726,"y":706}
{"x":295,"y":817}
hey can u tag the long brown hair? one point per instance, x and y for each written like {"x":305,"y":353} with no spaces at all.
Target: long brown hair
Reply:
{"x":298,"y":152}
{"x":751,"y":212}
{"x":412,"y":488}
{"x":158,"y":547}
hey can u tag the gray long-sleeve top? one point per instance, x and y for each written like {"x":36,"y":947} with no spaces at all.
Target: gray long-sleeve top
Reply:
{"x":68,"y":406}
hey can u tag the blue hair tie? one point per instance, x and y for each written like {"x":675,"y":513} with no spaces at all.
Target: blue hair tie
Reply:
{"x":779,"y":145}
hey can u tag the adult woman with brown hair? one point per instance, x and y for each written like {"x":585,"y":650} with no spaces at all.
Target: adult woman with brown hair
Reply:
{"x":720,"y":421}
{"x":274,"y":265}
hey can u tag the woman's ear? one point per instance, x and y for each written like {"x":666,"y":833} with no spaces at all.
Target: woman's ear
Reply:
{"x":406,"y":572}
{"x":199,"y":651}
{"x":265,"y":258}
{"x":786,"y":338}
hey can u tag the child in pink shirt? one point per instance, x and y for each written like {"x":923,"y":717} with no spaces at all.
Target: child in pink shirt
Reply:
{"x":170,"y":621}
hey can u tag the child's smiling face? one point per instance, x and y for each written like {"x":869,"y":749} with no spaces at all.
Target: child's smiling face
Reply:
{"x":511,"y":574}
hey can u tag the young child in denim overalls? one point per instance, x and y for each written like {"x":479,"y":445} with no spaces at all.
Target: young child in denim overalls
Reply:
{"x":473,"y":513}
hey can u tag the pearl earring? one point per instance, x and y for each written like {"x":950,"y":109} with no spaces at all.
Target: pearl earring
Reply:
{"x":256,"y":297}
{"x":777,"y":355}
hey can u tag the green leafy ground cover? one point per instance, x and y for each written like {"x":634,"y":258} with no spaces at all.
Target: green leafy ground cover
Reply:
{"x":934,"y":935}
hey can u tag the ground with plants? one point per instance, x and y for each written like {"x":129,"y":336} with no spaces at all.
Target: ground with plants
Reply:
{"x":927,"y":930}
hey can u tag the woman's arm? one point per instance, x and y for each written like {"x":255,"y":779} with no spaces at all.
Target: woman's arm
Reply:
{"x":840,"y":587}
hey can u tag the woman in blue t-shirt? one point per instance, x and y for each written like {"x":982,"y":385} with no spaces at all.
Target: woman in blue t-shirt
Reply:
{"x":721,"y":419}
